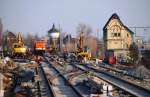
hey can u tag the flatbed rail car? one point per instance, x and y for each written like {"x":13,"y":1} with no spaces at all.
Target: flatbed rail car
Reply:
{"x":39,"y":47}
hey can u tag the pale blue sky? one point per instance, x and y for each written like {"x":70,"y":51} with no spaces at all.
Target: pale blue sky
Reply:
{"x":37,"y":16}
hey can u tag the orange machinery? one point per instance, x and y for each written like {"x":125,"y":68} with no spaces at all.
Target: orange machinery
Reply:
{"x":40,"y":46}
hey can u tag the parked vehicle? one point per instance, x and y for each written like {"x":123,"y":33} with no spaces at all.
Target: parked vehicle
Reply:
{"x":39,"y":47}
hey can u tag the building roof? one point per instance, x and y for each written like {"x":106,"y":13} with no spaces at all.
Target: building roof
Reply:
{"x":11,"y":34}
{"x":115,"y":16}
{"x":53,"y":29}
{"x":69,"y":38}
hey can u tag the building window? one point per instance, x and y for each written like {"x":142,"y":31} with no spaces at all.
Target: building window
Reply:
{"x":127,"y":46}
{"x":127,"y":35}
{"x":115,"y":34}
{"x":119,"y":34}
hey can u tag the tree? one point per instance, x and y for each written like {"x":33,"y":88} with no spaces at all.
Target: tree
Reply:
{"x":29,"y":41}
{"x":86,"y":29}
{"x":36,"y":37}
{"x":89,"y":41}
{"x":133,"y":54}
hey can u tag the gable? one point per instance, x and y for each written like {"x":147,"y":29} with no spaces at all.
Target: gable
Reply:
{"x":115,"y":20}
{"x":112,"y":23}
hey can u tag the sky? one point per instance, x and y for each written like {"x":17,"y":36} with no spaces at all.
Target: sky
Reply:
{"x":37,"y":16}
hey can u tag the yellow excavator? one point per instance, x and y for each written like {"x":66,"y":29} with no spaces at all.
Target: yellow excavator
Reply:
{"x":83,"y":53}
{"x":18,"y":48}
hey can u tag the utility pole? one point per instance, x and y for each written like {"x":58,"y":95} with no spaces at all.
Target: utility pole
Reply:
{"x":60,"y":39}
{"x":69,"y":41}
{"x":97,"y":51}
{"x":81,"y":40}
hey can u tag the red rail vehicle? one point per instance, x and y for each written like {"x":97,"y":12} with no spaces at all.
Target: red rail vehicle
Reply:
{"x":39,"y":47}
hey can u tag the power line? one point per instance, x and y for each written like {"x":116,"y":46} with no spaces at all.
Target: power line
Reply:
{"x":138,"y":27}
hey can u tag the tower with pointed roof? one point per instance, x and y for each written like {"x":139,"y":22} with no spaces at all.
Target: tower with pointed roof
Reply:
{"x":117,"y":37}
{"x":53,"y":35}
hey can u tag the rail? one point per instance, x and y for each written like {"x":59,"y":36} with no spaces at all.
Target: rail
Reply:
{"x":47,"y":81}
{"x":65,"y":79}
{"x":120,"y":83}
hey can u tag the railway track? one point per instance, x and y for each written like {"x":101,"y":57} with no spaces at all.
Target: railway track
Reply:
{"x":78,"y":78}
{"x":57,"y":84}
{"x":122,"y":72}
{"x":96,"y":85}
{"x":46,"y":85}
{"x":124,"y":75}
{"x":130,"y":88}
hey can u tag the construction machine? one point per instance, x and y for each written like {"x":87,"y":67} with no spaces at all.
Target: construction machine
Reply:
{"x":83,"y":52}
{"x":18,"y":48}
